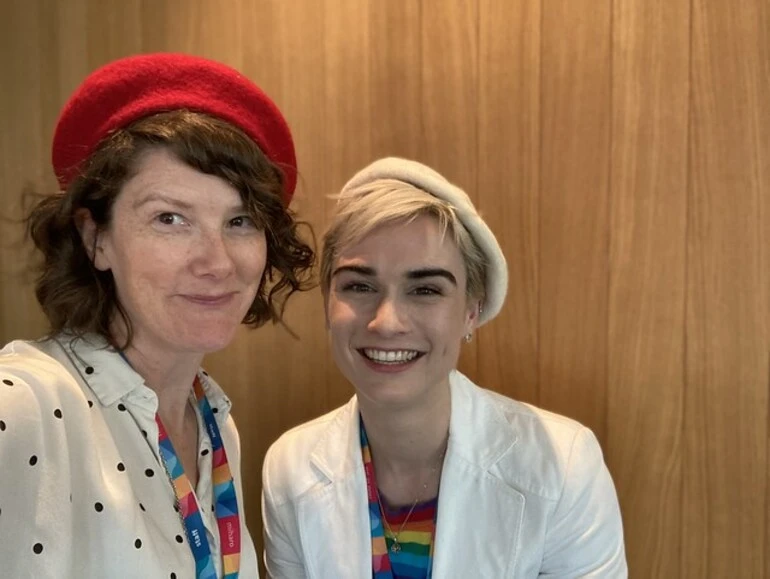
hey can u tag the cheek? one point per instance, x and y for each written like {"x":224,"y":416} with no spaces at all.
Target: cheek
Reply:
{"x":252,"y":261}
{"x":341,"y":317}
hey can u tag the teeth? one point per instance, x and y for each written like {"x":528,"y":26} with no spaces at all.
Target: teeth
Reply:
{"x":390,"y":356}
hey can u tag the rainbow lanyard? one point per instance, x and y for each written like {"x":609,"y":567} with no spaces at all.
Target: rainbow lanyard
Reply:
{"x":226,"y":507}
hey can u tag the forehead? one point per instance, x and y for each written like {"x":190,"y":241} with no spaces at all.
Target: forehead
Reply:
{"x":158,"y":170}
{"x":402,"y":246}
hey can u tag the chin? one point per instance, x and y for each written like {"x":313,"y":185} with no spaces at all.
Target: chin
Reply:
{"x":209,"y":340}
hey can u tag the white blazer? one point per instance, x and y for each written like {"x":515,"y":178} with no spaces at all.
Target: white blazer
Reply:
{"x":524,"y":493}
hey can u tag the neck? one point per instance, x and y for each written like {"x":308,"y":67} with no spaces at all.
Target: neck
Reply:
{"x":171,"y":379}
{"x":407,"y":440}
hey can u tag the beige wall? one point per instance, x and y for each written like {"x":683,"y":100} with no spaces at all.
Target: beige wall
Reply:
{"x":619,"y":148}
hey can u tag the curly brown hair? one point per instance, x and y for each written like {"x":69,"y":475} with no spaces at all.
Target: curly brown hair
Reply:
{"x":77,"y":297}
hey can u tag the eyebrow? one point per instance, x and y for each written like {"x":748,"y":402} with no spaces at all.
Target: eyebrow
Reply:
{"x":152,"y":197}
{"x":432,"y":272}
{"x":359,"y":269}
{"x":413,"y":274}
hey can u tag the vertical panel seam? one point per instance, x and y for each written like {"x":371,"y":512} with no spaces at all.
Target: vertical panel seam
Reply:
{"x":539,"y":265}
{"x":608,"y":220}
{"x":687,"y":304}
{"x":477,"y":99}
{"x":421,"y":79}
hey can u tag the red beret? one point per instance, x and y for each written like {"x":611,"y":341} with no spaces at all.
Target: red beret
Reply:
{"x":131,"y":88}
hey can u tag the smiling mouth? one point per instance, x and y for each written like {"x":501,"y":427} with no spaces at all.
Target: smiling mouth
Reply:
{"x":390,"y":357}
{"x":210,"y":300}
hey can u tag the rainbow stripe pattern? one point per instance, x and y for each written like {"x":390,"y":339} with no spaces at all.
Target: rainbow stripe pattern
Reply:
{"x":415,"y":558}
{"x":226,"y":504}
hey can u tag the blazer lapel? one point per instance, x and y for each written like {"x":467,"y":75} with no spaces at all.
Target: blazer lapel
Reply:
{"x":479,"y":517}
{"x":334,"y":516}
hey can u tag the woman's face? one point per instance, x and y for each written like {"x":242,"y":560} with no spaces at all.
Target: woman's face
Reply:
{"x":397,"y":311}
{"x":186,"y":258}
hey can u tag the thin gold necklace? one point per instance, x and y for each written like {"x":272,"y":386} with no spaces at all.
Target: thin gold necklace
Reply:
{"x":395,"y":546}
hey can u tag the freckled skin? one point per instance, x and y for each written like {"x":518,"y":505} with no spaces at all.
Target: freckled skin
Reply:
{"x":385,"y":306}
{"x":186,"y":259}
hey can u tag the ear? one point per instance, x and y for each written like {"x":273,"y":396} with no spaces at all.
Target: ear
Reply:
{"x":472,"y":316}
{"x":91,"y":236}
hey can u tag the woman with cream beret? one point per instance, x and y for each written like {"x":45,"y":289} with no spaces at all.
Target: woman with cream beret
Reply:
{"x":423,"y":473}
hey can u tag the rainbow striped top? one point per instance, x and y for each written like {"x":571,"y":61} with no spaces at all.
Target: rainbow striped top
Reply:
{"x":415,"y":558}
{"x":416,"y":539}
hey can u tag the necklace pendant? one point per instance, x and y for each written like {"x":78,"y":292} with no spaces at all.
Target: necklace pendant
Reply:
{"x":395,"y":547}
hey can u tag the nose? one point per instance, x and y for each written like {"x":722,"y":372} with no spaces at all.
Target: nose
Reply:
{"x":389,"y":317}
{"x":212,"y":257}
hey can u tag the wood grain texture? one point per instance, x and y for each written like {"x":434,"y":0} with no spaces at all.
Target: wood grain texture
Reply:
{"x":726,"y":398}
{"x":395,"y":84}
{"x":648,"y":221}
{"x":508,"y":169}
{"x":24,"y":146}
{"x":574,"y":217}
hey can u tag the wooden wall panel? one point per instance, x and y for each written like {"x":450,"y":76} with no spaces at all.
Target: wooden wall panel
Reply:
{"x":574,"y":227}
{"x":113,"y":29}
{"x":449,"y":77}
{"x":24,"y":146}
{"x":726,"y":400}
{"x":648,"y":201}
{"x":508,"y":168}
{"x":395,"y":85}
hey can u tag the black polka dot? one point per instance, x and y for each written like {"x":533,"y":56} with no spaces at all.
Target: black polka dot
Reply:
{"x":138,"y":543}
{"x":179,"y":539}
{"x":7,"y":382}
{"x":57,"y":413}
{"x":38,"y":548}
{"x":141,"y":506}
{"x":204,"y":452}
{"x":205,"y":373}
{"x":32,"y":460}
{"x":173,"y":576}
{"x":90,"y":404}
{"x":144,"y":432}
{"x":89,"y":370}
{"x":215,"y":410}
{"x":99,"y":507}
{"x":121,"y":467}
{"x":149,"y":472}
{"x":213,"y":508}
{"x":122,"y":407}
{"x":2,"y":424}
{"x":176,"y":508}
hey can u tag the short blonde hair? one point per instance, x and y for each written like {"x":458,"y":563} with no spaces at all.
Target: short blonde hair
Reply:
{"x":362,"y":209}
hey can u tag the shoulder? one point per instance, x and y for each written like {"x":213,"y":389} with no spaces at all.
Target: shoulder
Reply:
{"x":30,"y":374}
{"x":29,"y":359}
{"x":543,"y":448}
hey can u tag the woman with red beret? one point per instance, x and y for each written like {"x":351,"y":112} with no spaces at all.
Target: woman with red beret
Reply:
{"x":171,"y":228}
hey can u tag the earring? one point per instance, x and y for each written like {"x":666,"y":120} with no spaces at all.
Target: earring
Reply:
{"x":468,"y":337}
